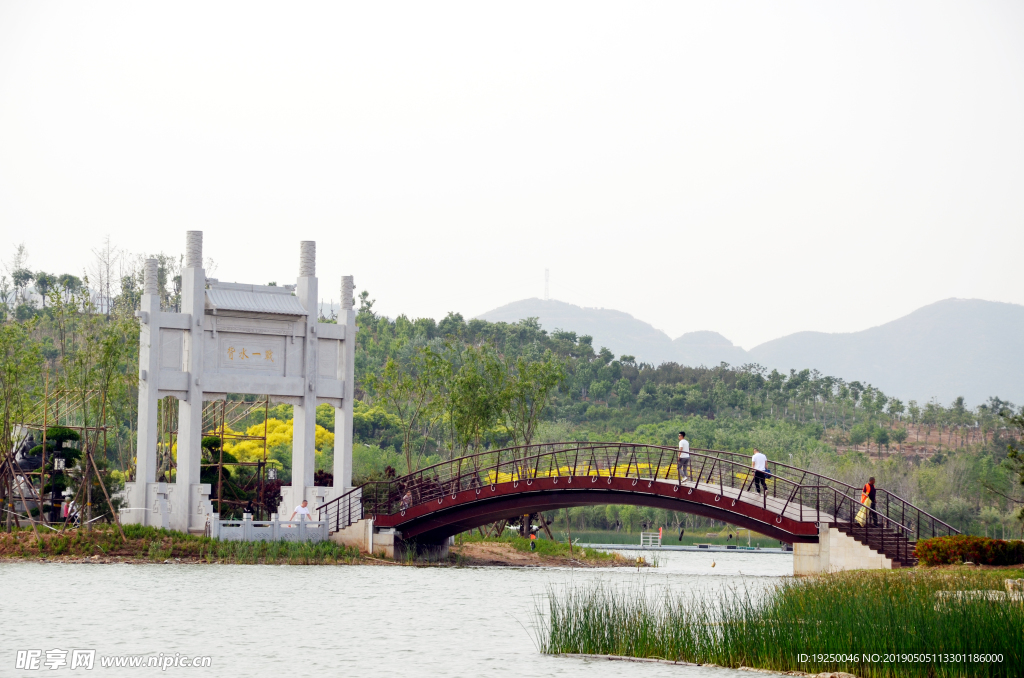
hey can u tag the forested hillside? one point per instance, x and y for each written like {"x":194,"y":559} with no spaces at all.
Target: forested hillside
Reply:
{"x":429,"y":390}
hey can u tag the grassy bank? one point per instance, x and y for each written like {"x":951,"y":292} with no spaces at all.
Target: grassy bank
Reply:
{"x":545,"y":547}
{"x":856,"y":615}
{"x":157,"y":545}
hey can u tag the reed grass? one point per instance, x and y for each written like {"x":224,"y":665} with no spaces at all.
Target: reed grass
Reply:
{"x":281,"y":553}
{"x":860,"y":614}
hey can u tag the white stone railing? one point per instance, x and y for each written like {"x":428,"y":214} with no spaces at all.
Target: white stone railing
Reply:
{"x":248,"y":529}
{"x":650,"y":539}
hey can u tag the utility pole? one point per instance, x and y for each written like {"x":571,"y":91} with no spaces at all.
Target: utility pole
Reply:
{"x":547,"y":278}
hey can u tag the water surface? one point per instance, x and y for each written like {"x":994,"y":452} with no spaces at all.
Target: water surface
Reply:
{"x":289,"y":621}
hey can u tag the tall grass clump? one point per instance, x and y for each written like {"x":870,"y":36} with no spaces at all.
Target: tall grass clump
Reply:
{"x":282,"y":552}
{"x":872,"y":619}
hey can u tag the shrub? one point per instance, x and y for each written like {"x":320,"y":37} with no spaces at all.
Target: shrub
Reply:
{"x":963,"y":548}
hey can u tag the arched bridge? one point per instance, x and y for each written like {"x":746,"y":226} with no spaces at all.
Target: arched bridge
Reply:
{"x":458,"y":495}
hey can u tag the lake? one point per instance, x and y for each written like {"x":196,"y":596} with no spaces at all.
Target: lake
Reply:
{"x":293,"y":621}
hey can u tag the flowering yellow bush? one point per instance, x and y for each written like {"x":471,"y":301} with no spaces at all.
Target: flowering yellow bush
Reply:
{"x":279,"y":435}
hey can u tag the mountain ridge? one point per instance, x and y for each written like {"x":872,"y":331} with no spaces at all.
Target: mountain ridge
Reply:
{"x":950,"y":348}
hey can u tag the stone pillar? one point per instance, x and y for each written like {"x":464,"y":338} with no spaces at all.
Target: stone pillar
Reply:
{"x":304,"y":431}
{"x":190,"y":410}
{"x":149,"y":374}
{"x":824,"y":547}
{"x":343,"y":415}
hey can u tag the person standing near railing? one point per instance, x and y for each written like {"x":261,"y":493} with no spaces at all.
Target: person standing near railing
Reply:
{"x":684,"y":458}
{"x":302,"y":510}
{"x":759,"y":463}
{"x":867,"y":497}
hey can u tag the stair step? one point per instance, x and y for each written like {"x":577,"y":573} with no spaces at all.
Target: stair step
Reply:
{"x":893,"y":545}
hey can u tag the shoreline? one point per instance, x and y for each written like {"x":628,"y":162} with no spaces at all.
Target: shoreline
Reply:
{"x":153,"y":546}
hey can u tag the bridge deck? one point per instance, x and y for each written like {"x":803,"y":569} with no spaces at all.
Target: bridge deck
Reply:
{"x":776,"y":505}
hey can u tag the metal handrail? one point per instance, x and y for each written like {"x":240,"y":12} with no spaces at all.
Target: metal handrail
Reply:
{"x":949,"y":529}
{"x":518,"y":468}
{"x":345,"y":509}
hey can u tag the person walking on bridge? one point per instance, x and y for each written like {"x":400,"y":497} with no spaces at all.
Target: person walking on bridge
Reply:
{"x":684,"y":458}
{"x":759,"y":463}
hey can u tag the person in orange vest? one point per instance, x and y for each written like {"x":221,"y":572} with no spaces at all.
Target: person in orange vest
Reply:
{"x":868,"y":493}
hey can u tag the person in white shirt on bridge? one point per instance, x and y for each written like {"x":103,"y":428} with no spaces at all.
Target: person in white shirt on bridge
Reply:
{"x":759,"y":463}
{"x":301,"y":510}
{"x":684,"y":457}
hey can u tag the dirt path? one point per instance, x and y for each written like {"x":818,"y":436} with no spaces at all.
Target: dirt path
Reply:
{"x":477,"y":554}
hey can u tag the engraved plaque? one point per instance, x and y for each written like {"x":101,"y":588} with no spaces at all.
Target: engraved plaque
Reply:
{"x":250,"y":353}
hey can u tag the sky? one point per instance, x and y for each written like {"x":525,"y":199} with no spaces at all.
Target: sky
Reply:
{"x":752,"y":168}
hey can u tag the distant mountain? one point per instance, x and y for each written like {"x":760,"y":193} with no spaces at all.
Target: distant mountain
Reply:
{"x":706,"y":348}
{"x":955,"y":347}
{"x":620,"y":332}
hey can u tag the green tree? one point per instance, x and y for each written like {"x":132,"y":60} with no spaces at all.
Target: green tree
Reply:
{"x":479,"y":394}
{"x":21,"y":364}
{"x":860,"y":433}
{"x":898,"y":436}
{"x":881,"y":437}
{"x":599,"y":389}
{"x":915,"y":417}
{"x":529,"y":387}
{"x":624,"y":391}
{"x":896,"y":408}
{"x":21,"y":278}
{"x":44,"y":283}
{"x":440,"y":367}
{"x":1015,"y":455}
{"x":407,"y":394}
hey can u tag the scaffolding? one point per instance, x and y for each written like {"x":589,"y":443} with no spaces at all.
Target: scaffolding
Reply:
{"x":66,"y":409}
{"x":25,"y":488}
{"x":220,"y":419}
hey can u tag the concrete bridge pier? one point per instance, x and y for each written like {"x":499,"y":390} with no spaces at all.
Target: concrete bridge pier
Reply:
{"x":836,"y":552}
{"x":387,"y":542}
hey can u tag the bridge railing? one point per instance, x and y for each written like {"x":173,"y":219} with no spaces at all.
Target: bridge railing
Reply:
{"x":567,"y":460}
{"x":824,"y":503}
{"x":894,"y":508}
{"x":792,"y":491}
{"x":342,"y":511}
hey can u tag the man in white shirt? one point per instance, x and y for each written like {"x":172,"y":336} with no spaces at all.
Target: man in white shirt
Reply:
{"x":301,"y":510}
{"x":759,"y":463}
{"x":684,"y":458}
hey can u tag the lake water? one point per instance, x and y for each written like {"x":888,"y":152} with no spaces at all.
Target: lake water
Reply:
{"x":288,"y":621}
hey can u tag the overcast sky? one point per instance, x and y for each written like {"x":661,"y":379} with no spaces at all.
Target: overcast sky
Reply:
{"x":751,"y":168}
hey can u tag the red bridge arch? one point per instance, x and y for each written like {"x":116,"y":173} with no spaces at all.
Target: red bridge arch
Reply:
{"x":458,"y":495}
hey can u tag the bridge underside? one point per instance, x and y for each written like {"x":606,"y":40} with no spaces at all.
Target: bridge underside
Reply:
{"x":436,"y":520}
